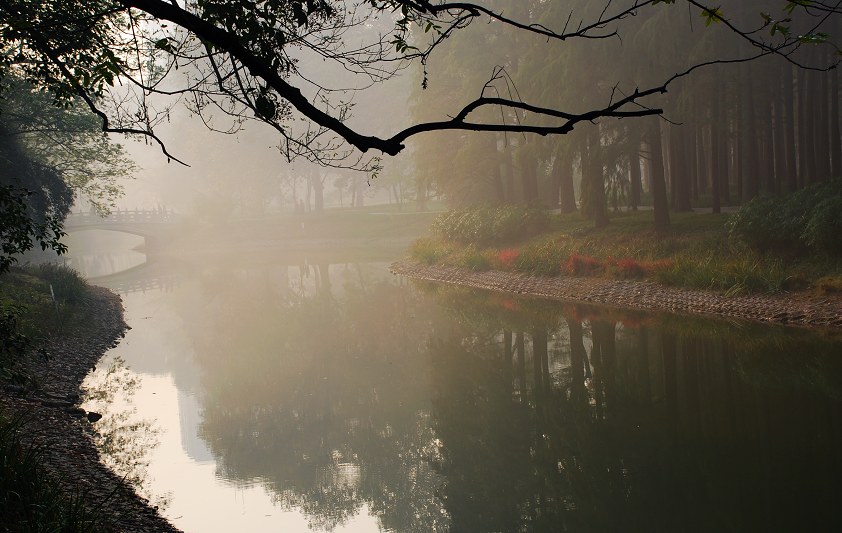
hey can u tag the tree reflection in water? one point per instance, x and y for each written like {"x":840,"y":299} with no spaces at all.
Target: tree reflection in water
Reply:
{"x":445,"y":409}
{"x":124,"y":441}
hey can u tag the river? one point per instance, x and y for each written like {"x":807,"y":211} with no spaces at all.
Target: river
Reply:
{"x":314,"y":391}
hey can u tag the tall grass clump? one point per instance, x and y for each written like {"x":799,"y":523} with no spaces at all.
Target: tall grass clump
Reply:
{"x":428,"y":251}
{"x":807,"y":220}
{"x":485,"y":226}
{"x":29,"y":501}
{"x":68,"y":286}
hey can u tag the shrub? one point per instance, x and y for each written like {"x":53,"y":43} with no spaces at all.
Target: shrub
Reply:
{"x":474,"y":259}
{"x":490,"y":225}
{"x":806,"y":218}
{"x":823,"y":230}
{"x":583,"y":265}
{"x":428,"y":251}
{"x":542,"y":258}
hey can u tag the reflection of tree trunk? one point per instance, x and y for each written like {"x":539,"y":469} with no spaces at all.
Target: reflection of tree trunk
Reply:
{"x":520,"y":348}
{"x":668,"y":347}
{"x":540,"y":360}
{"x":360,"y":277}
{"x":324,"y":278}
{"x":691,"y":355}
{"x":643,"y":365}
{"x":507,"y":358}
{"x":577,"y":361}
{"x":284,"y":281}
{"x":604,"y":337}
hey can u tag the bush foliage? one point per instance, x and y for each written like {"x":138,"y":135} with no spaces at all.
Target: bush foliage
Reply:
{"x":484,"y":226}
{"x":805,"y":220}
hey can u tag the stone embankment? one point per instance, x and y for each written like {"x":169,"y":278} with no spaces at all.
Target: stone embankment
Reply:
{"x":62,"y":430}
{"x":792,"y":309}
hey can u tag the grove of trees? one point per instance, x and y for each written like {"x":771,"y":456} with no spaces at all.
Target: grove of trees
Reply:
{"x":729,"y":132}
{"x":678,"y":99}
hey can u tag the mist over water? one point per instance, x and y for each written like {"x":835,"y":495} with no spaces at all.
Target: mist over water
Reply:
{"x":313,"y":390}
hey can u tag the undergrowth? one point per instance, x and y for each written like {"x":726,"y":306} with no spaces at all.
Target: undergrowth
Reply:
{"x":699,"y":251}
{"x":29,"y":501}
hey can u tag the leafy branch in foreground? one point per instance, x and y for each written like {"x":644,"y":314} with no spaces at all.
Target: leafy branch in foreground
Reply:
{"x":130,"y":61}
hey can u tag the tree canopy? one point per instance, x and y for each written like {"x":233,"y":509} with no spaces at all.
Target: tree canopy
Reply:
{"x":246,"y":59}
{"x":49,"y":156}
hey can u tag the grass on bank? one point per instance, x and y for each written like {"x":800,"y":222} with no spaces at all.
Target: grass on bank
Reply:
{"x":36,"y":304}
{"x":699,"y":251}
{"x":29,"y":501}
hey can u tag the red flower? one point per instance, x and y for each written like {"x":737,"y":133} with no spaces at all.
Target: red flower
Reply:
{"x":508,"y":257}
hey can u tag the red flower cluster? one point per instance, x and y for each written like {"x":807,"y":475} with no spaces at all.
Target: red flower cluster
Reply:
{"x":508,"y":257}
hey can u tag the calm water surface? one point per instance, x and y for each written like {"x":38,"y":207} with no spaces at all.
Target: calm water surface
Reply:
{"x":316,"y":391}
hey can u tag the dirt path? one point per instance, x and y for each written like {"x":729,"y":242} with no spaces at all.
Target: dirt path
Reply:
{"x":56,"y":423}
{"x":793,"y":309}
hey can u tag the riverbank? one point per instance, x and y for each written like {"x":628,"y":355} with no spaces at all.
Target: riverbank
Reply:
{"x":54,"y":422}
{"x":797,"y":309}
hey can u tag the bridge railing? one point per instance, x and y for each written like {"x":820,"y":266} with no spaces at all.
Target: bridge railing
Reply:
{"x":135,"y":216}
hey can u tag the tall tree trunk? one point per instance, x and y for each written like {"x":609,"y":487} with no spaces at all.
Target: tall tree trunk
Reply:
{"x":593,"y":181}
{"x":700,"y":176}
{"x":804,"y":136}
{"x":686,"y":167}
{"x":748,"y":147}
{"x":789,"y":139}
{"x":318,"y":192}
{"x":634,"y":175}
{"x":499,"y":187}
{"x":778,"y":148}
{"x":835,"y":138}
{"x":659,"y":184}
{"x":529,"y":177}
{"x":716,"y":140}
{"x":822,"y":123}
{"x":563,"y":171}
{"x":509,"y":175}
{"x":767,"y":170}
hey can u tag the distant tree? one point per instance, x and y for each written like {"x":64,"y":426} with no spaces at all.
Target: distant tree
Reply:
{"x":48,"y":156}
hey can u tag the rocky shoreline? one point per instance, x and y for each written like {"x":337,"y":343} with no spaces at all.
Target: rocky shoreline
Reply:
{"x":797,"y":309}
{"x":56,"y":423}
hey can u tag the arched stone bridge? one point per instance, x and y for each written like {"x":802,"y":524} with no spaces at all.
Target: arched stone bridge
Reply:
{"x":149,"y":224}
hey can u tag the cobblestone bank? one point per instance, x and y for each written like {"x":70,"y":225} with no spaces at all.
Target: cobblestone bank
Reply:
{"x":62,"y":429}
{"x":793,"y":309}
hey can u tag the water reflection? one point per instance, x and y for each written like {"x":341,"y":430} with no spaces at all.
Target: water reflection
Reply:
{"x":345,"y":392}
{"x":124,"y":440}
{"x":97,"y":253}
